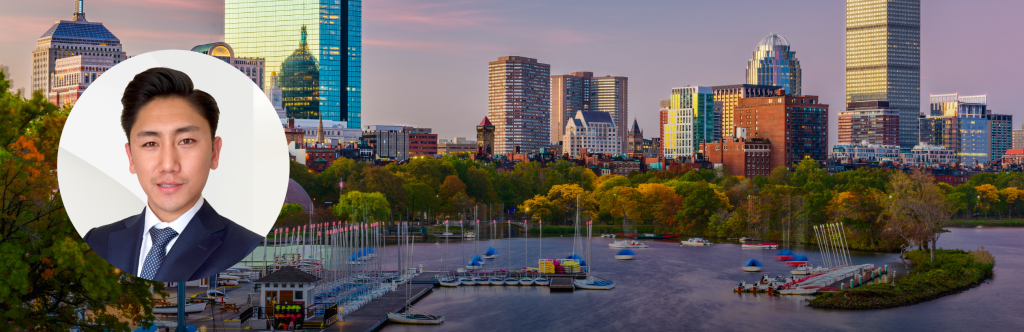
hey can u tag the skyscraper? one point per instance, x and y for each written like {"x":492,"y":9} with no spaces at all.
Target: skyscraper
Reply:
{"x":581,"y":91}
{"x":519,"y":104}
{"x":73,"y":38}
{"x":273,"y":30}
{"x":883,"y":58}
{"x":774,"y":64}
{"x":1000,"y":130}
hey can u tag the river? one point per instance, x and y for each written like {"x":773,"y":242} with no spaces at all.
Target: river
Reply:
{"x":669,"y":287}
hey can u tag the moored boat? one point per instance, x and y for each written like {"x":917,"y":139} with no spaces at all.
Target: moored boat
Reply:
{"x":751,"y":265}
{"x":624,"y":254}
{"x":696,"y":241}
{"x":412,"y":318}
{"x":466,"y":281}
{"x":798,"y":260}
{"x":541,"y":281}
{"x":627,"y":244}
{"x":526,"y":281}
{"x":752,"y":246}
{"x":649,"y":236}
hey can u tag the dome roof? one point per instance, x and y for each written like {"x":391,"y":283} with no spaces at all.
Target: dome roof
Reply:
{"x":297,"y":195}
{"x":773,"y":40}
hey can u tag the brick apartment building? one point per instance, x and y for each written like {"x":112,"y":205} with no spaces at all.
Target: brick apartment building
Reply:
{"x":796,"y":126}
{"x":740,"y":157}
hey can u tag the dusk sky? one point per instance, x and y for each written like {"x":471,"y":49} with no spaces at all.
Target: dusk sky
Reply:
{"x":425,"y":62}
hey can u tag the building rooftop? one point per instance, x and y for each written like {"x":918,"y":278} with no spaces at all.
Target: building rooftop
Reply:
{"x":289,"y":274}
{"x":773,"y":40}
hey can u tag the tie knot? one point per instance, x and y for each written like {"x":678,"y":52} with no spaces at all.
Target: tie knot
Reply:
{"x":162,"y":236}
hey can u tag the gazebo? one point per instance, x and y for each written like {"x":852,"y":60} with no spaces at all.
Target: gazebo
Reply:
{"x":288,"y":286}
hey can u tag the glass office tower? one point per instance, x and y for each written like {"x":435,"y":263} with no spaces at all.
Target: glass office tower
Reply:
{"x":960,"y":123}
{"x":273,"y":30}
{"x":691,"y":120}
{"x":883,"y":58}
{"x":774,"y":64}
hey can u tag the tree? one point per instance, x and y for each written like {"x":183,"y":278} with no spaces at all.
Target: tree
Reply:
{"x":355,"y":205}
{"x":421,"y":196}
{"x":288,"y":209}
{"x":917,"y":211}
{"x":989,"y":194}
{"x":479,"y":187}
{"x":378,"y":179}
{"x":48,"y":274}
{"x":700,"y":203}
{"x":779,"y":176}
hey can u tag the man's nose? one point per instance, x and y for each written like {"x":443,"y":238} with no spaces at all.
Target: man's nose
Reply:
{"x":169,"y":159}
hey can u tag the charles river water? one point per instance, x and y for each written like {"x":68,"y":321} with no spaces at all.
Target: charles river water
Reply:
{"x":672,"y":288}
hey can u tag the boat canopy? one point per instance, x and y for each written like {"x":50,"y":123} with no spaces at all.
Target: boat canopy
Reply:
{"x":490,"y":251}
{"x":625,"y":252}
{"x":752,"y":262}
{"x":800,"y":258}
{"x":476,"y":258}
{"x":786,"y":252}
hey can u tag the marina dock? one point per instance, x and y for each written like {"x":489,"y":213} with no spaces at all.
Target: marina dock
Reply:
{"x":561,"y":284}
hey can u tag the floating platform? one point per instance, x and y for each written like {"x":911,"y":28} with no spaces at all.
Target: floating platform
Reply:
{"x":562,"y":285}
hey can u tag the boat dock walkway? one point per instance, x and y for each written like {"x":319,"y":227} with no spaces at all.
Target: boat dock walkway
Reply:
{"x":374,"y":315}
{"x":562,"y":284}
{"x":829,"y":279}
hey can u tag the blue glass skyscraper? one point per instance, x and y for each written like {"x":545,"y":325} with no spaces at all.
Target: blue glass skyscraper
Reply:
{"x":272,"y":29}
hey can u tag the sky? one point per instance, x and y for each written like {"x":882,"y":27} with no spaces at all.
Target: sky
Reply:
{"x":425,"y":62}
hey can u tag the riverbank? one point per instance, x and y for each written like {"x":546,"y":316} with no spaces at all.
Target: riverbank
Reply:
{"x":987,"y":223}
{"x":953,"y":271}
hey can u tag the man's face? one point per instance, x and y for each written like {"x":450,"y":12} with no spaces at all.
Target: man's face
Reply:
{"x":171,"y":150}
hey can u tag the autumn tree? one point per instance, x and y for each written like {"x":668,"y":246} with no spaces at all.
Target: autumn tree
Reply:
{"x":49,"y":275}
{"x":917,"y":211}
{"x":989,"y":195}
{"x":700,"y":204}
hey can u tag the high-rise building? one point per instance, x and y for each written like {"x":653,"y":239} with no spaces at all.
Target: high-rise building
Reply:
{"x":960,"y":123}
{"x":690,"y":120}
{"x":251,"y":67}
{"x":519,"y":103}
{"x":323,"y":40}
{"x":591,"y":132}
{"x":883,"y":58}
{"x":581,"y":91}
{"x":73,"y":74}
{"x":774,"y":64}
{"x":1018,"y":138}
{"x":795,"y":126}
{"x":72,"y":38}
{"x":1000,"y":134}
{"x":728,"y":96}
{"x":871,"y":121}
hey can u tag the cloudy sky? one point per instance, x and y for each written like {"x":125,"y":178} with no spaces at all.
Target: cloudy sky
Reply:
{"x":425,"y":62}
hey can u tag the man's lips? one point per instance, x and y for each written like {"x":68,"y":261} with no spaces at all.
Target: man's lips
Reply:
{"x":168,"y":188}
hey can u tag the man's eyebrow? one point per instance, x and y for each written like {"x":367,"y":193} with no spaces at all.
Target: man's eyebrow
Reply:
{"x":185,"y":129}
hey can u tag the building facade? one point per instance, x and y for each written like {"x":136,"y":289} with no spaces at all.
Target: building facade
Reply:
{"x":581,"y":91}
{"x":883,"y":58}
{"x":929,"y":155}
{"x":960,"y":123}
{"x":333,"y":133}
{"x":251,"y":67}
{"x":728,"y":96}
{"x":689,"y":121}
{"x":774,"y":64}
{"x":864,"y":152}
{"x":796,"y":126}
{"x":456,"y":146}
{"x":1018,"y":138}
{"x":485,"y":137}
{"x":73,"y":74}
{"x":739,"y":156}
{"x":422,"y":143}
{"x":519,"y":103}
{"x":387,"y":142}
{"x":871,"y":121}
{"x":591,"y":132}
{"x":67,"y":39}
{"x":276,"y":96}
{"x":328,"y":59}
{"x":1000,"y":129}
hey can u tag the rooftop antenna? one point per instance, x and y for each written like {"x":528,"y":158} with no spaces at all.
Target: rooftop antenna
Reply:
{"x":79,"y":11}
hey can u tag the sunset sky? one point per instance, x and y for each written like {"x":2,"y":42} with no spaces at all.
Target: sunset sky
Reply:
{"x":425,"y":62}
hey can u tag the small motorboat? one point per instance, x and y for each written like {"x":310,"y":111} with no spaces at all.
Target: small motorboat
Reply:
{"x":411,"y":318}
{"x":770,"y":245}
{"x":752,"y":246}
{"x":541,"y":281}
{"x":510,"y":281}
{"x":627,"y":244}
{"x":751,"y":265}
{"x":490,"y":253}
{"x":479,"y":281}
{"x":466,"y":281}
{"x":608,"y":236}
{"x":798,"y":260}
{"x":526,"y":281}
{"x":785,"y":255}
{"x":495,"y":280}
{"x":190,"y":308}
{"x":624,"y":254}
{"x":695,"y":241}
{"x":802,"y":271}
{"x":469,"y":235}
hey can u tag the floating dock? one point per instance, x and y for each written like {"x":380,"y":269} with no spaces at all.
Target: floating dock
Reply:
{"x":561,"y":285}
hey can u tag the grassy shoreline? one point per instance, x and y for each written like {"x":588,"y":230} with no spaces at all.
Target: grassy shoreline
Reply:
{"x":953,"y":271}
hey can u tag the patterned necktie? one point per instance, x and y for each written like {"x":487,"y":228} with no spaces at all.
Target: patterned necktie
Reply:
{"x":156,"y":254}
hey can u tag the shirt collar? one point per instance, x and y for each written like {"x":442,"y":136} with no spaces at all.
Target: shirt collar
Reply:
{"x":178,"y":224}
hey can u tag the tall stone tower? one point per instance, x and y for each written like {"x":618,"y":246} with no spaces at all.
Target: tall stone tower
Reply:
{"x":485,"y":137}
{"x":635,"y":141}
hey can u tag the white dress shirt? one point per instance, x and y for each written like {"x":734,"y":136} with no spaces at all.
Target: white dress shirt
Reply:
{"x":152,"y":221}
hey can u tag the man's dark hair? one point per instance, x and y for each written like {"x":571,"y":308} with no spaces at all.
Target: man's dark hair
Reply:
{"x":163,"y":82}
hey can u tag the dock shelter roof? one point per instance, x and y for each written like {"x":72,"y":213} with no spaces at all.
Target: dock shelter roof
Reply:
{"x":289,"y":274}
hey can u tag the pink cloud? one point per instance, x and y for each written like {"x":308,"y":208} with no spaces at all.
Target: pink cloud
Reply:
{"x":437,"y":15}
{"x":20,"y":28}
{"x":215,"y":6}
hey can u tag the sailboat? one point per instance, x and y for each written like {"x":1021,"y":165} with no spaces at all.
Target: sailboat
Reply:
{"x":592,"y":282}
{"x":447,"y":280}
{"x":490,"y":253}
{"x":411,"y":315}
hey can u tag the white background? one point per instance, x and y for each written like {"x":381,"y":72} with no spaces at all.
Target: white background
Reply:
{"x":248,"y":186}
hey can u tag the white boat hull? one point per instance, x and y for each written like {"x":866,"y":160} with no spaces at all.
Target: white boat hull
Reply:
{"x":526,"y":282}
{"x":627,"y":244}
{"x":541,"y":282}
{"x":414,"y":319}
{"x":752,"y":246}
{"x":467,"y":282}
{"x":512,"y":282}
{"x":490,"y":257}
{"x":454,"y":283}
{"x":623,"y":257}
{"x":751,"y":268}
{"x":583,"y":284}
{"x":496,"y":281}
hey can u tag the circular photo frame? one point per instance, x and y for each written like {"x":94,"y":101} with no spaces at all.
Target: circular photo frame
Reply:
{"x":173,"y":165}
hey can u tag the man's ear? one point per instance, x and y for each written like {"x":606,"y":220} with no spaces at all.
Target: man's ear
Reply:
{"x":128,"y":151}
{"x":216,"y":153}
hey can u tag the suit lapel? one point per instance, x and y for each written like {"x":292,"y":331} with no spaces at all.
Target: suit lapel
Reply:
{"x":197,"y":242}
{"x":123,"y":246}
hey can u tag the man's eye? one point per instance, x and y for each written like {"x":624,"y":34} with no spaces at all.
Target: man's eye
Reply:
{"x":188,"y":141}
{"x":148,"y":144}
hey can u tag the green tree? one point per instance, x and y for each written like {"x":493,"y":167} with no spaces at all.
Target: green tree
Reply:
{"x":355,"y":205}
{"x":421,"y":197}
{"x":49,"y":276}
{"x":479,"y":187}
{"x":700,"y":203}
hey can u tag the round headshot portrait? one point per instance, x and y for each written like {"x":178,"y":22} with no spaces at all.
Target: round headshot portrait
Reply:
{"x":173,"y":165}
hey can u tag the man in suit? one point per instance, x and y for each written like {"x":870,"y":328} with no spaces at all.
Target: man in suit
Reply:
{"x":172,"y":146}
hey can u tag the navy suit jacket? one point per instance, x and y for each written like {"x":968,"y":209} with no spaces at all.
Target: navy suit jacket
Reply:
{"x":208,"y":245}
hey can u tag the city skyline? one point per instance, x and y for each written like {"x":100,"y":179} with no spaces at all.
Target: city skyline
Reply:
{"x":408,"y":46}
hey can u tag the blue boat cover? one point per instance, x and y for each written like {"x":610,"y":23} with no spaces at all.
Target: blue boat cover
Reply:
{"x":625,"y":252}
{"x":752,"y":262}
{"x":474,"y":263}
{"x":800,"y":258}
{"x":476,"y":258}
{"x":786,"y":252}
{"x":490,"y":251}
{"x":578,"y":258}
